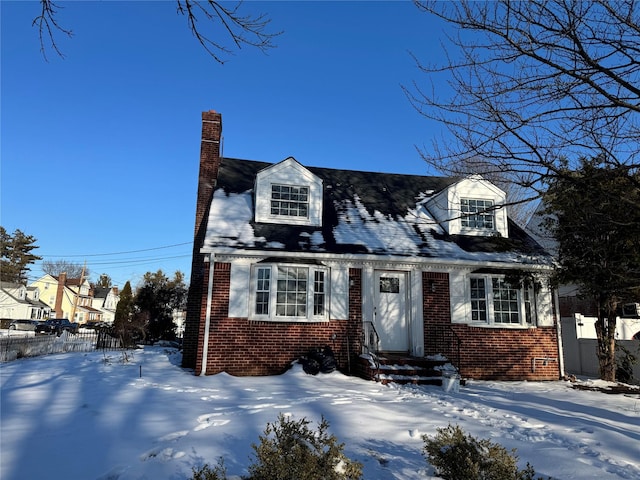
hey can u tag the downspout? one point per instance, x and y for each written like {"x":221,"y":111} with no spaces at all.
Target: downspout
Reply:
{"x":556,"y":300}
{"x":207,"y":318}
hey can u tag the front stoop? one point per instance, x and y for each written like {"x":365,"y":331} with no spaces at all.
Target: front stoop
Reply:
{"x":402,"y":369}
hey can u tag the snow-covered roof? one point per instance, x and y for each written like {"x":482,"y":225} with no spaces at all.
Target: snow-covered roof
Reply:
{"x":365,"y":213}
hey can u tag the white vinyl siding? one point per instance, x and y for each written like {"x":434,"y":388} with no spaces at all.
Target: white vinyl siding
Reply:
{"x":288,"y":194}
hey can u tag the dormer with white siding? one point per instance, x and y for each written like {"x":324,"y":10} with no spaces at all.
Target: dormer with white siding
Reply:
{"x":288,"y":193}
{"x":471,"y":206}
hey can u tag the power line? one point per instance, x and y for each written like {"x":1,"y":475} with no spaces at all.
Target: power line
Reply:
{"x":131,"y":261}
{"x":121,"y":253}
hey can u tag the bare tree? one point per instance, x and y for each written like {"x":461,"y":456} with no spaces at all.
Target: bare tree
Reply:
{"x":220,"y":22}
{"x":56,"y":267}
{"x":531,"y":87}
{"x":241,"y":29}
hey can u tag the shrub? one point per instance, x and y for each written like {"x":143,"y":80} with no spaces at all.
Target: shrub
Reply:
{"x":219,"y":472}
{"x":290,"y":450}
{"x":457,"y":456}
{"x":624,"y":364}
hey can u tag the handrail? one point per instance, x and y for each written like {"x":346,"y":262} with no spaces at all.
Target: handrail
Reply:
{"x":372,"y":340}
{"x":373,"y":337}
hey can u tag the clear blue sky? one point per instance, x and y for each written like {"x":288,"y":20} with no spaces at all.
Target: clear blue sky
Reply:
{"x":100,"y":149}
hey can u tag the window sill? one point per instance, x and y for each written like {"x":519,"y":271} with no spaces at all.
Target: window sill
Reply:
{"x":287,"y":220}
{"x":500,"y":326}
{"x":288,"y":320}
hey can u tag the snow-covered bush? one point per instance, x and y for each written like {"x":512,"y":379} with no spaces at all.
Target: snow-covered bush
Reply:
{"x":457,"y":456}
{"x":290,"y":450}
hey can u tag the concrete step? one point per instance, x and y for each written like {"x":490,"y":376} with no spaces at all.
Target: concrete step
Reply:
{"x":403,"y":369}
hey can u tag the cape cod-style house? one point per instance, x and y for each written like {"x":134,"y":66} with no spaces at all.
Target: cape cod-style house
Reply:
{"x":288,"y":257}
{"x":19,"y":302}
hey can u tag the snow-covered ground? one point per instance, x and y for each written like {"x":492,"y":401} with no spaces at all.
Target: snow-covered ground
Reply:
{"x":94,"y":416}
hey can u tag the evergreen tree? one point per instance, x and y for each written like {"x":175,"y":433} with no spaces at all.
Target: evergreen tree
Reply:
{"x":127,"y":325}
{"x":16,"y":256}
{"x":104,"y":281}
{"x":157,"y":298}
{"x":125,"y":307}
{"x":598,"y":236}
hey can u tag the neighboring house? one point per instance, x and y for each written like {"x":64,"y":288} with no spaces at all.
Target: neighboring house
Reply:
{"x":18,"y":301}
{"x":105,"y":299}
{"x":288,"y":257}
{"x":69,"y":298}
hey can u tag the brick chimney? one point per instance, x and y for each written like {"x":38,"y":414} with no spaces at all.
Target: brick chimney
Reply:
{"x":210,"y":149}
{"x":209,"y":163}
{"x":62,"y":281}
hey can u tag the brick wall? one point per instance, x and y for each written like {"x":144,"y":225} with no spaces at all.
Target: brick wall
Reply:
{"x":435,"y":297}
{"x":507,"y":354}
{"x":240,"y":346}
{"x":485,"y":353}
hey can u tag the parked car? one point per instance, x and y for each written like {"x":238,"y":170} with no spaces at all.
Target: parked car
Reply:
{"x":56,"y":326}
{"x":25,"y":325}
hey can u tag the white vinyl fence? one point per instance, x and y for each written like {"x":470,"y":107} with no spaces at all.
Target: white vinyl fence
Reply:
{"x":580,"y":354}
{"x":18,"y":346}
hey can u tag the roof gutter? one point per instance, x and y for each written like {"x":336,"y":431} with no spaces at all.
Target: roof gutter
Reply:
{"x":230,"y":253}
{"x":207,"y":322}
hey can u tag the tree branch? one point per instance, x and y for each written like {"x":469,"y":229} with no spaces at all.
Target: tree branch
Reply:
{"x":239,"y":29}
{"x":47,"y":24}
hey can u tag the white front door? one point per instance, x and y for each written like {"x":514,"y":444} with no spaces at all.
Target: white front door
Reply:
{"x":391,"y":311}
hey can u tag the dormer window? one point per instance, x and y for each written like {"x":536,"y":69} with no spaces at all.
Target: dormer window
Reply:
{"x":471,"y":206}
{"x":288,"y":194}
{"x":290,"y":201}
{"x":477,"y":213}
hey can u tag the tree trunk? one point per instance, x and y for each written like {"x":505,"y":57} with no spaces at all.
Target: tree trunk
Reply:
{"x":606,"y":334}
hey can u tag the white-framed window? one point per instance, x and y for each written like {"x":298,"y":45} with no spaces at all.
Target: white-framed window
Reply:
{"x":290,"y":200}
{"x":478,"y":300}
{"x":289,"y":292}
{"x":477,"y":213}
{"x":494,"y":301}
